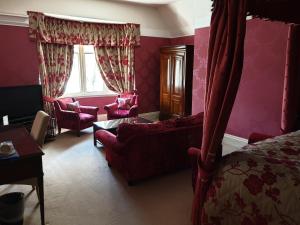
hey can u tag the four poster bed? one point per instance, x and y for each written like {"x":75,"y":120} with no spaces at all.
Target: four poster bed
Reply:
{"x":260,"y":184}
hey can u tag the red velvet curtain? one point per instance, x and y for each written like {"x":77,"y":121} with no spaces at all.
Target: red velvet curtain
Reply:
{"x":290,"y":120}
{"x":225,"y":63}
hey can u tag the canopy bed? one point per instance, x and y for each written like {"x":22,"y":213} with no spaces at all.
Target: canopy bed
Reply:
{"x":261,"y":183}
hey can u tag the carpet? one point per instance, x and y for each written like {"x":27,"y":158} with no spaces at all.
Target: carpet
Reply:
{"x":80,"y":189}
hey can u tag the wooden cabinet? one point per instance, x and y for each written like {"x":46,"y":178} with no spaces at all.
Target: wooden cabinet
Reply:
{"x":176,"y":77}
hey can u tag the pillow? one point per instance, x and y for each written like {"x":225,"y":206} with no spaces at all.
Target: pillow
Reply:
{"x":74,"y":106}
{"x":124,"y":103}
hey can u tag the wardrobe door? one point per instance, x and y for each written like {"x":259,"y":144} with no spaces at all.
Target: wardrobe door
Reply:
{"x":177,"y":84}
{"x":165,"y":82}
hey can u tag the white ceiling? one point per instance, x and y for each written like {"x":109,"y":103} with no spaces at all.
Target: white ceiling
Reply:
{"x":158,"y":18}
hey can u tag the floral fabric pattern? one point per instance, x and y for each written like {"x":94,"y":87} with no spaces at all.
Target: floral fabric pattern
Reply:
{"x":61,"y":31}
{"x":117,"y":67}
{"x":55,"y":64}
{"x":259,"y":185}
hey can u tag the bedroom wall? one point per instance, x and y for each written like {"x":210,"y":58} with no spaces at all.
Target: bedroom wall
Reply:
{"x":258,"y":103}
{"x":19,"y":66}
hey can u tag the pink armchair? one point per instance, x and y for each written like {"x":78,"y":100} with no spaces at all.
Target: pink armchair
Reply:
{"x":82,"y":117}
{"x":125,"y":105}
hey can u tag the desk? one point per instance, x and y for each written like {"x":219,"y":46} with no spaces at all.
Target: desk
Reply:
{"x":27,"y":166}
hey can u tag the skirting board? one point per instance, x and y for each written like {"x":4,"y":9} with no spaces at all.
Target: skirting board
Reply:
{"x":235,"y":141}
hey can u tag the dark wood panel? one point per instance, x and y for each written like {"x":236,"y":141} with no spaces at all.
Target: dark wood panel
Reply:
{"x":176,"y":76}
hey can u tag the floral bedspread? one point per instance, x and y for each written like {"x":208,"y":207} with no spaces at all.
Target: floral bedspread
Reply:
{"x":258,"y":185}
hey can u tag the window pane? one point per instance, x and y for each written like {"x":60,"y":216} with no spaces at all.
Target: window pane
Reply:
{"x":73,"y":85}
{"x":94,"y":80}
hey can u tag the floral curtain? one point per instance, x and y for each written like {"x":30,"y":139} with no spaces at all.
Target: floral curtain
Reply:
{"x":62,"y":31}
{"x":55,"y":62}
{"x":224,"y":69}
{"x":290,"y":120}
{"x":116,"y":66}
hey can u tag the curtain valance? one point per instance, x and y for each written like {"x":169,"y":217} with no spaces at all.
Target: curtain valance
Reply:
{"x":49,"y":29}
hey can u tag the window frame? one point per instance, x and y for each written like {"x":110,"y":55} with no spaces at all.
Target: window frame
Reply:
{"x":82,"y":79}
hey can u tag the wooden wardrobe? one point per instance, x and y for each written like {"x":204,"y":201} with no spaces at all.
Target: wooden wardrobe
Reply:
{"x":176,"y":77}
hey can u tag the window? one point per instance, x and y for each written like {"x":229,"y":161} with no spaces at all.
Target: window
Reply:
{"x":85,"y":78}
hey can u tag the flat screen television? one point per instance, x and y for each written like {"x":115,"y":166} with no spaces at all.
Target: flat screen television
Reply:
{"x":20,"y":103}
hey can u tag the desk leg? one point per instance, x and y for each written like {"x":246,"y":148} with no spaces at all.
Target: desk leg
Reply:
{"x":41,"y":198}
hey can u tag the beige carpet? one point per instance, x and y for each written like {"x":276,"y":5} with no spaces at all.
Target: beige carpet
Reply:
{"x":80,"y":189}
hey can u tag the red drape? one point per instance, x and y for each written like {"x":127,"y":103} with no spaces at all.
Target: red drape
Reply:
{"x":225,"y":62}
{"x":291,"y":94}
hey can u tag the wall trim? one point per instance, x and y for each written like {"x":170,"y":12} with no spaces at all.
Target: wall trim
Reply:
{"x":234,"y":141}
{"x":14,"y":20}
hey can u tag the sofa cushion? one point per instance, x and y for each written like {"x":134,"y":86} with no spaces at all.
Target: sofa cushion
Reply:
{"x":128,"y":130}
{"x":189,"y":120}
{"x":167,"y":123}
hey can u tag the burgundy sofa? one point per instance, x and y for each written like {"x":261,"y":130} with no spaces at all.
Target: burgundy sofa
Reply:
{"x":140,"y":151}
{"x":74,"y":120}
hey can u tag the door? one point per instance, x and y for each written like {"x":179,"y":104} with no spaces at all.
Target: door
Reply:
{"x":165,"y":83}
{"x":177,"y":85}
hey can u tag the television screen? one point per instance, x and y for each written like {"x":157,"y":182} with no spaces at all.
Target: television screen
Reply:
{"x":20,"y":103}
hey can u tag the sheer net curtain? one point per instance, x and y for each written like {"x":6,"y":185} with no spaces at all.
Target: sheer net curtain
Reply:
{"x":116,"y":66}
{"x":55,"y":68}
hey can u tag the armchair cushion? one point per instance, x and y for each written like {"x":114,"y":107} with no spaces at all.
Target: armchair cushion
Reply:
{"x":73,"y":106}
{"x":63,"y":102}
{"x":124,"y":103}
{"x":85,"y":118}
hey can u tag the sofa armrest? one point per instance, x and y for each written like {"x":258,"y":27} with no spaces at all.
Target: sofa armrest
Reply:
{"x":89,"y":109}
{"x":255,"y":137}
{"x":109,"y":140}
{"x":111,"y":107}
{"x":194,"y":153}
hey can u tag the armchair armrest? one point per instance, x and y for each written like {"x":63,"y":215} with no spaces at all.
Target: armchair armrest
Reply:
{"x":89,"y":109}
{"x":68,"y":115}
{"x":111,"y":107}
{"x":109,"y":140}
{"x":255,"y":137}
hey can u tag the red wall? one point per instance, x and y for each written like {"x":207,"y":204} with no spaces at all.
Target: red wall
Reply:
{"x":186,"y":40}
{"x":147,"y":72}
{"x":258,"y":103}
{"x":19,"y":66}
{"x":18,"y":57}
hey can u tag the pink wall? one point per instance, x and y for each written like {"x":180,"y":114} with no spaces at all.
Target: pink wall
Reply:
{"x":19,"y":66}
{"x":200,"y":65}
{"x":18,"y":57}
{"x":147,"y":60}
{"x":186,"y":40}
{"x":258,"y":103}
